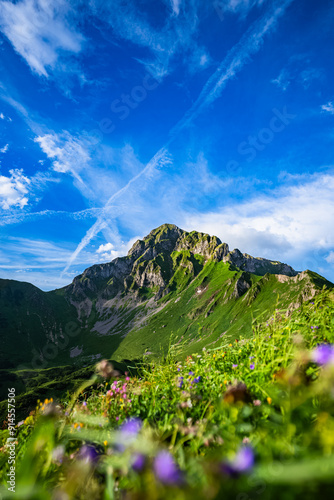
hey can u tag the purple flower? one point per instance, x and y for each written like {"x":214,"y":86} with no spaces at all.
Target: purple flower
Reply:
{"x":242,"y":462}
{"x":197,"y":379}
{"x":234,"y":366}
{"x":251,"y":357}
{"x":88,"y":454}
{"x":84,"y":403}
{"x":180,"y":384}
{"x":165,"y":468}
{"x":178,"y":369}
{"x":252,"y":366}
{"x":323,"y":354}
{"x":131,"y":427}
{"x":191,"y":373}
{"x":127,"y":433}
{"x":138,"y":462}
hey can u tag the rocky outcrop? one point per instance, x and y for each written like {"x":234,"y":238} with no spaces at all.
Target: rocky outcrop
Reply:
{"x":258,"y":265}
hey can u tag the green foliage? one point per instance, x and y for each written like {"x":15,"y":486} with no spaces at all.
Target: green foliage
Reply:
{"x":262,"y":393}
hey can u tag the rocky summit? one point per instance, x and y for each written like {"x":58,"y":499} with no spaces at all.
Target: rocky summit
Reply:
{"x":185,"y":288}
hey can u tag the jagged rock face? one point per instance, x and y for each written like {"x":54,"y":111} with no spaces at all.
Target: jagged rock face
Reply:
{"x":258,"y":265}
{"x":141,"y":267}
{"x":242,"y":285}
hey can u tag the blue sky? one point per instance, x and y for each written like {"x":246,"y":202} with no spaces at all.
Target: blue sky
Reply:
{"x":116,"y":117}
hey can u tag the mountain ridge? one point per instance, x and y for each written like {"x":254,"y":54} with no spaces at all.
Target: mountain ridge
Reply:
{"x":172,"y":284}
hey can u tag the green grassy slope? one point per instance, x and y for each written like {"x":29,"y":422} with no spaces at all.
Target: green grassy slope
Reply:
{"x":206,"y":308}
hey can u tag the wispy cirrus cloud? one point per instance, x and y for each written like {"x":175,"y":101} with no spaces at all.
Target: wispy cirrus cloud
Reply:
{"x":328,"y":107}
{"x":40,"y":32}
{"x":4,"y":149}
{"x":239,"y":6}
{"x":68,"y":153}
{"x":130,"y":21}
{"x":299,"y":70}
{"x":27,"y":217}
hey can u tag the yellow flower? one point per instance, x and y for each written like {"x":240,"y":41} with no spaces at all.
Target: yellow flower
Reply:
{"x":81,"y":425}
{"x":75,"y":425}
{"x":225,"y":382}
{"x":269,"y":400}
{"x":105,"y":443}
{"x":239,"y":350}
{"x":51,"y":400}
{"x":121,"y":399}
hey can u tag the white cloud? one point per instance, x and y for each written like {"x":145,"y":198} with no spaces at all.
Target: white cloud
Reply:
{"x":4,"y":149}
{"x":330,"y":258}
{"x":107,"y":252}
{"x":40,"y":32}
{"x":176,"y":6}
{"x":292,"y":222}
{"x":13,"y":190}
{"x":68,"y":153}
{"x":2,"y":116}
{"x":329,"y":107}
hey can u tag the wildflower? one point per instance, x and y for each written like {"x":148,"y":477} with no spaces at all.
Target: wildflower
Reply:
{"x":269,"y":400}
{"x":243,"y":462}
{"x":88,"y":454}
{"x":323,"y":354}
{"x":138,"y":461}
{"x":234,"y":366}
{"x":165,"y":468}
{"x":251,"y":357}
{"x":191,"y":373}
{"x":257,"y":402}
{"x":252,"y":366}
{"x":197,"y":379}
{"x":180,"y":384}
{"x":105,"y":443}
{"x":84,"y":403}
